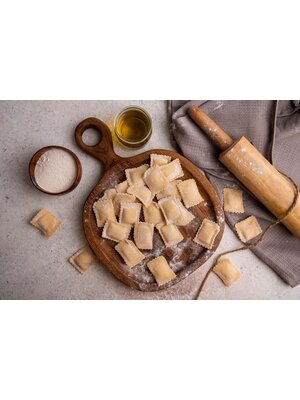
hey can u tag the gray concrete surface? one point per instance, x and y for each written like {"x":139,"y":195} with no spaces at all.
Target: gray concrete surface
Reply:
{"x":32,"y":267}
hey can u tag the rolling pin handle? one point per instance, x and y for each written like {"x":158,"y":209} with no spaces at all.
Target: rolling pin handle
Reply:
{"x":212,"y":130}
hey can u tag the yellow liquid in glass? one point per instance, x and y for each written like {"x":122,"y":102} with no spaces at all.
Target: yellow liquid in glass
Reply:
{"x":133,"y":127}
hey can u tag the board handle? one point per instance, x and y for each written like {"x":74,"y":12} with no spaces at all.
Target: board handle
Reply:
{"x":212,"y":130}
{"x":103,"y":150}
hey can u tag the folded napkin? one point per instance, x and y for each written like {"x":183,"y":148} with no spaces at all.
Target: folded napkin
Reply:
{"x":274,"y":129}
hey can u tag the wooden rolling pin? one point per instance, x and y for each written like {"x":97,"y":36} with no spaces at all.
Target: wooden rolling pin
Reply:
{"x":250,"y":167}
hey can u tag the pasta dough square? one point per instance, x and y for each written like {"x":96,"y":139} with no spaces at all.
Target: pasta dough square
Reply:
{"x":142,"y":193}
{"x":170,"y":190}
{"x":207,"y":233}
{"x":143,"y":235}
{"x":82,"y":260}
{"x":109,"y":194}
{"x":227,"y":271}
{"x":130,"y":253}
{"x":115,"y":231}
{"x":122,"y":187}
{"x":153,"y":214}
{"x":248,"y":229}
{"x":104,"y":210}
{"x":46,"y":222}
{"x":189,"y":192}
{"x":186,"y":215}
{"x":170,"y":234}
{"x":122,"y":198}
{"x":130,"y":213}
{"x":161,"y":270}
{"x":175,"y":212}
{"x":170,"y":209}
{"x":135,"y":176}
{"x":172,"y":170}
{"x":155,"y":180}
{"x":233,"y":200}
{"x":156,"y":160}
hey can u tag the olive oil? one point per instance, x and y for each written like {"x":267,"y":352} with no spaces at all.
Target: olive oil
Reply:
{"x":133,"y":127}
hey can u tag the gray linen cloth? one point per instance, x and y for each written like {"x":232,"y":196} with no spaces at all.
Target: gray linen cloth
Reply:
{"x":274,"y":129}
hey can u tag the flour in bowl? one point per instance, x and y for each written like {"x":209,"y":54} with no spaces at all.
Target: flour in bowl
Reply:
{"x":55,"y":171}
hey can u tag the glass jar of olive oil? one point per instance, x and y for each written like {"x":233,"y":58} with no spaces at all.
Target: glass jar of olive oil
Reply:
{"x":133,"y":126}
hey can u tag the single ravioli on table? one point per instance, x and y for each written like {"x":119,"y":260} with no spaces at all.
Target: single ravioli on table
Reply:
{"x":82,"y":260}
{"x":227,"y":271}
{"x":46,"y":222}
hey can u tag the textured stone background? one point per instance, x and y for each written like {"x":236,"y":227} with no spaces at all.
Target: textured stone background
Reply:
{"x":32,"y":267}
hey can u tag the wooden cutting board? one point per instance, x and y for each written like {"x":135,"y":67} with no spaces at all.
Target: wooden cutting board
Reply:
{"x":183,"y":258}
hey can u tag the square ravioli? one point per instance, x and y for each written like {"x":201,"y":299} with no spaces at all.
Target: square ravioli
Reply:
{"x":122,"y":198}
{"x":170,"y":234}
{"x":103,"y":210}
{"x":156,"y":160}
{"x":233,"y":200}
{"x":46,"y":222}
{"x":130,"y":213}
{"x":186,"y":215}
{"x":153,"y":214}
{"x":130,"y":253}
{"x":189,"y":192}
{"x":155,"y":180}
{"x":170,"y":191}
{"x":143,"y":235}
{"x":142,"y":193}
{"x":227,"y":271}
{"x":207,"y":233}
{"x":248,"y":229}
{"x":115,"y":231}
{"x":161,"y":270}
{"x":109,"y":194}
{"x":135,"y":176}
{"x":172,"y":170}
{"x":82,"y":260}
{"x":175,"y":212}
{"x":122,"y":187}
{"x":170,"y":209}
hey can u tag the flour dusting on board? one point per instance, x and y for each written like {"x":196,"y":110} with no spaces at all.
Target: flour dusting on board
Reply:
{"x":183,"y":258}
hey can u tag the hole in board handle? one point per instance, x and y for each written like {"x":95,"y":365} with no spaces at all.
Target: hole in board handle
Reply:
{"x":91,"y":137}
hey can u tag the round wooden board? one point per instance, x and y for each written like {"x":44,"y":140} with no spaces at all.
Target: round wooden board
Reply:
{"x":183,"y":258}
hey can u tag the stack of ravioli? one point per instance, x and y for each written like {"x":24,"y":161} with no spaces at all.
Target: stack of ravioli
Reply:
{"x":119,"y":211}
